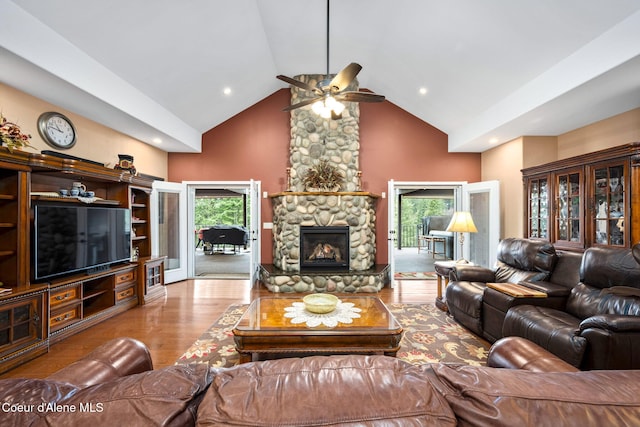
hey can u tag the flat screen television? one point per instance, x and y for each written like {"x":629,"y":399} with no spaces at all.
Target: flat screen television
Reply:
{"x":70,"y":239}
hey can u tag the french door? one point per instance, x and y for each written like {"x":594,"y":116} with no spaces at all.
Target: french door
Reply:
{"x":250,"y":188}
{"x":392,"y":232}
{"x":168,"y":228}
{"x":482,"y":199}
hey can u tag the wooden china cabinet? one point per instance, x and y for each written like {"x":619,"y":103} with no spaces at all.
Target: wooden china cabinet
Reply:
{"x":587,"y":200}
{"x":36,"y":313}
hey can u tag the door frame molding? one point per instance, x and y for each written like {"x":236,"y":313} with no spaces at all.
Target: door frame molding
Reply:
{"x":192,"y":186}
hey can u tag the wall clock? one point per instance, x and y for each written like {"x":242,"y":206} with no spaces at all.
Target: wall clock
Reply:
{"x":57,"y":130}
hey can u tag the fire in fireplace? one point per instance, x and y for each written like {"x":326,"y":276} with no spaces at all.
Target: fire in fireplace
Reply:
{"x":324,"y":247}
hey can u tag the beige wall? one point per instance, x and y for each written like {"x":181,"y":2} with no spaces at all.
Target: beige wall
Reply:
{"x":503,"y":163}
{"x":95,"y":141}
{"x":538,"y":150}
{"x":611,"y":132}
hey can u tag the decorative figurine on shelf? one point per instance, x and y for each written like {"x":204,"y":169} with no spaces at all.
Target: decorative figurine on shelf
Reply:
{"x":125,"y":162}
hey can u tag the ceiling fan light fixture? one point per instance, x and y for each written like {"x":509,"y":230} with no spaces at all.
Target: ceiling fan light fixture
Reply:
{"x":323,"y":101}
{"x":336,"y":106}
{"x":325,"y":106}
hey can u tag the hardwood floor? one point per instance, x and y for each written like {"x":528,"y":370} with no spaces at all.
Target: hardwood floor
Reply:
{"x":170,"y":325}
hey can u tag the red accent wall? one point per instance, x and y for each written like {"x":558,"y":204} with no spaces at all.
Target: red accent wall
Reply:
{"x":254,"y":144}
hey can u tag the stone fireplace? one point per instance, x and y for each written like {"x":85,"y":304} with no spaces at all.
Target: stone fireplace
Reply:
{"x":299,"y":209}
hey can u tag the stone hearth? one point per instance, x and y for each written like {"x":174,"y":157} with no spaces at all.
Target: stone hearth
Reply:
{"x":371,"y":280}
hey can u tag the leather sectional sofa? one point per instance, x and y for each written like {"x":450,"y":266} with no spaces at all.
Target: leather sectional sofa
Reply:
{"x":590,"y":318}
{"x":116,"y":385}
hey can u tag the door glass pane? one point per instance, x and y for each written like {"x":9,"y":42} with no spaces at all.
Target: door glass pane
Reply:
{"x":538,"y":209}
{"x":479,"y":242}
{"x":569,"y":205}
{"x":609,"y":205}
{"x":169,"y":228}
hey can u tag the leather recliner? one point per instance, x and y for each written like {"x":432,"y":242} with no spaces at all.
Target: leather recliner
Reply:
{"x":600,"y":326}
{"x":496,"y":304}
{"x":518,"y":260}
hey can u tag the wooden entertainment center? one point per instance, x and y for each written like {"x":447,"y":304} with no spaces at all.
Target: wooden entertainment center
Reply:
{"x":35,"y":314}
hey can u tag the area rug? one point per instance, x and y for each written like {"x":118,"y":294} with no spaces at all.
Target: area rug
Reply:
{"x":415,"y":275}
{"x":430,"y":336}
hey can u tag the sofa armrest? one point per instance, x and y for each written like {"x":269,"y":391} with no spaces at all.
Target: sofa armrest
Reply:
{"x":116,"y":358}
{"x":472,"y":273}
{"x":549,"y":288}
{"x":612,"y":322}
{"x":520,"y":353}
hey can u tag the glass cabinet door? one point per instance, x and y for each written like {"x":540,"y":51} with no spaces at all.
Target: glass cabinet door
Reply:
{"x":538,"y":206}
{"x":609,"y":205}
{"x":568,"y":207}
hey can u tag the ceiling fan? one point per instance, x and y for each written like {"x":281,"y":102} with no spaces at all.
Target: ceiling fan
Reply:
{"x":329,"y":93}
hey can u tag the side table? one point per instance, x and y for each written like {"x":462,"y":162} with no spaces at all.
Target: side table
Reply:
{"x":443,"y":268}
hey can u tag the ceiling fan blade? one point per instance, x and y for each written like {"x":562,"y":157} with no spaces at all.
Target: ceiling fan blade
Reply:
{"x":359,"y":97}
{"x":300,"y":104}
{"x":345,"y":77}
{"x":298,"y":83}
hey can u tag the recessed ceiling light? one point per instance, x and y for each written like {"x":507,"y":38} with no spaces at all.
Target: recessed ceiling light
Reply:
{"x":494,"y":141}
{"x":157,"y":141}
{"x":226,"y":91}
{"x":423,"y":91}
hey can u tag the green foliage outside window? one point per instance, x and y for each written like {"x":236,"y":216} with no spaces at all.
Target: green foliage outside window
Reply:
{"x":219,"y":210}
{"x":416,"y":208}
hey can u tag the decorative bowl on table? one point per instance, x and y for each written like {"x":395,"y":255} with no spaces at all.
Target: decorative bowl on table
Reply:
{"x":320,"y":303}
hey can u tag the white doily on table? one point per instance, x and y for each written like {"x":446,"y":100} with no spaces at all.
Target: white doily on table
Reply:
{"x":345,"y":312}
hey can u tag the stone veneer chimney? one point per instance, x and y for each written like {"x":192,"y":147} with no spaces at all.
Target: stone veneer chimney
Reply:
{"x":314,"y":138}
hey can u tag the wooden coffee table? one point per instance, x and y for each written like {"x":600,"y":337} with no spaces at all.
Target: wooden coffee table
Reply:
{"x":263,"y":330}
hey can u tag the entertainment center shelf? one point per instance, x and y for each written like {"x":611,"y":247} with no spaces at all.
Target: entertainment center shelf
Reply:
{"x":37,"y":313}
{"x":70,"y":199}
{"x":82,"y":300}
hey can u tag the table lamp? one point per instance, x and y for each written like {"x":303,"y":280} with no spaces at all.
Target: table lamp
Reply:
{"x":462,"y":222}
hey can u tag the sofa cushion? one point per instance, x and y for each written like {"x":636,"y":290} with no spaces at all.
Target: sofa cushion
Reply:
{"x":464,"y":301}
{"x":583,"y":301}
{"x":520,"y":353}
{"x":321,"y":390}
{"x":507,"y":274}
{"x":21,"y":399}
{"x":554,"y":330}
{"x":528,"y":255}
{"x":482,"y":396}
{"x":566,"y":272}
{"x":622,"y":300}
{"x":167,"y":397}
{"x":604,"y":267}
{"x":115,"y":358}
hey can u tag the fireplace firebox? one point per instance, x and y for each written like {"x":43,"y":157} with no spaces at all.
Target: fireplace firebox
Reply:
{"x":324,"y":248}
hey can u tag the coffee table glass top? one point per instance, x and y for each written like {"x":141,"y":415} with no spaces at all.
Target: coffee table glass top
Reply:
{"x":268,"y":313}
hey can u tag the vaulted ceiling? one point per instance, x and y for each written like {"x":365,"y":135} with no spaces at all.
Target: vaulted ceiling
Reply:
{"x":492,"y":70}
